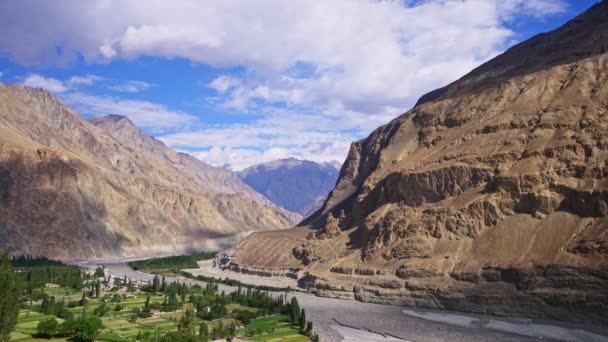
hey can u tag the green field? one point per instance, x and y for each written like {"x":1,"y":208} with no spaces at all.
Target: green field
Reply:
{"x":171,"y":265}
{"x":85,"y":305}
{"x":118,"y":326}
{"x":274,"y":329}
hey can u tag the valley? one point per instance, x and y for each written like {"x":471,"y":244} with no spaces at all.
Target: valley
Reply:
{"x":342,"y":171}
{"x":349,"y":320}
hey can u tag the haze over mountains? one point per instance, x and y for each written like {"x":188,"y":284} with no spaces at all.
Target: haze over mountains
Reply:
{"x":71,"y":189}
{"x":489,"y":196}
{"x":299,"y":186}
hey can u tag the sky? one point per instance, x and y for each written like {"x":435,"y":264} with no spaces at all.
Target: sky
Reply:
{"x":236,"y":83}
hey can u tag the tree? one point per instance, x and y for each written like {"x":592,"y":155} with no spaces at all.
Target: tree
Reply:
{"x":97,"y":289}
{"x":203,"y":331}
{"x":186,"y":324}
{"x":48,"y":328}
{"x":294,"y":311}
{"x":308,"y":328}
{"x":155,"y":284}
{"x":302,"y":321}
{"x":9,"y":298}
{"x":99,"y":273}
{"x":82,"y":329}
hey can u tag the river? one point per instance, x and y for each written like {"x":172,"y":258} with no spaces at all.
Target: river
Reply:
{"x":353,"y":321}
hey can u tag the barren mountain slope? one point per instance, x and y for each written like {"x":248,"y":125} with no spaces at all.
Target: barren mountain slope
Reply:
{"x":296,"y":185}
{"x":209,"y":178}
{"x":70,"y":190}
{"x":490,"y":195}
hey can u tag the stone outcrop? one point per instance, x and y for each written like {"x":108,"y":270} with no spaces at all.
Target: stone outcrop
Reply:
{"x":489,"y":196}
{"x":71,"y":190}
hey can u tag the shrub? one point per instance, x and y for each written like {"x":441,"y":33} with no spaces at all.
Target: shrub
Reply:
{"x":48,"y":328}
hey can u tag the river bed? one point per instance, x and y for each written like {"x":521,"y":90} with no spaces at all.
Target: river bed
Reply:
{"x":349,"y":320}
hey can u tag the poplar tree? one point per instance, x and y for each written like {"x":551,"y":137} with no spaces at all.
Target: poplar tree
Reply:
{"x":9,"y":298}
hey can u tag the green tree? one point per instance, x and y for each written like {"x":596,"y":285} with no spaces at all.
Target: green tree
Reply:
{"x":97,"y":289}
{"x":302,"y":321}
{"x":294,"y":311}
{"x":9,"y":298}
{"x":203,"y":332}
{"x":48,"y":328}
{"x":186,"y":324}
{"x":99,"y":273}
{"x":83,"y":299}
{"x":155,"y":284}
{"x":82,"y":329}
{"x":308,"y":328}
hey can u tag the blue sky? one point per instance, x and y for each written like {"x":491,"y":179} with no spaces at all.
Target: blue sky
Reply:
{"x":241,"y":82}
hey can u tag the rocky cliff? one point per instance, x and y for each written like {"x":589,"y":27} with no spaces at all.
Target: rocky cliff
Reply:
{"x":297,"y":185}
{"x":69,"y":189}
{"x":489,"y":196}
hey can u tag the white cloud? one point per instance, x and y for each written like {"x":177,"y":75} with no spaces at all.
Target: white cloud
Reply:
{"x":87,"y":80}
{"x":1,"y":74}
{"x":151,"y":116}
{"x":364,"y":53}
{"x":241,"y":158}
{"x":317,"y":74}
{"x":50,"y":84}
{"x":131,"y":86}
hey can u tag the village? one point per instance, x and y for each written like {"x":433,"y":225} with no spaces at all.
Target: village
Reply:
{"x":156,"y":310}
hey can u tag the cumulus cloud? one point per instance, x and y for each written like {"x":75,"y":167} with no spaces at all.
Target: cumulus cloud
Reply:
{"x":354,"y":64}
{"x":48,"y":83}
{"x":153,"y":117}
{"x":241,"y":158}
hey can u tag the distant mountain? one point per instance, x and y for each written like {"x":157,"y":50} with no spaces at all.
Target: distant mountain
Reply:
{"x":70,"y":189}
{"x":209,"y":178}
{"x":297,"y":185}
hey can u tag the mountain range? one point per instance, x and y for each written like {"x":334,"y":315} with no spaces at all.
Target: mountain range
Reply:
{"x":489,"y":196}
{"x":73,"y":189}
{"x":299,"y":186}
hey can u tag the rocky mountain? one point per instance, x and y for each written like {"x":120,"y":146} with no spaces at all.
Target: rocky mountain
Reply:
{"x":297,"y":185}
{"x":70,"y":190}
{"x":209,"y":178}
{"x":489,"y":196}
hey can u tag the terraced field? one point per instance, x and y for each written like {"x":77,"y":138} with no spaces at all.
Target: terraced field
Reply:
{"x":275,"y":328}
{"x":119,"y":326}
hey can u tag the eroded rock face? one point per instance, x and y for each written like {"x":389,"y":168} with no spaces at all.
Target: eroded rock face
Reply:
{"x":71,"y":190}
{"x":489,"y":196}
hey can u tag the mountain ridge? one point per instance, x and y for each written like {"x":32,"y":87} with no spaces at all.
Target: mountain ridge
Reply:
{"x":71,"y":190}
{"x":296,"y":185}
{"x":210,"y":178}
{"x":489,"y":196}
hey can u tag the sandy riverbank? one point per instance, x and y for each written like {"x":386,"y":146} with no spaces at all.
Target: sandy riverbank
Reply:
{"x":206,"y":268}
{"x":385,"y":323}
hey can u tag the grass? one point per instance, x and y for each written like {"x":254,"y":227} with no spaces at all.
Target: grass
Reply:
{"x":117,"y":326}
{"x":27,"y":322}
{"x":276,"y":328}
{"x":169,"y":265}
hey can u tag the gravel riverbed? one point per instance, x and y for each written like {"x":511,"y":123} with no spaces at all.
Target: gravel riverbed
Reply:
{"x":348,"y":320}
